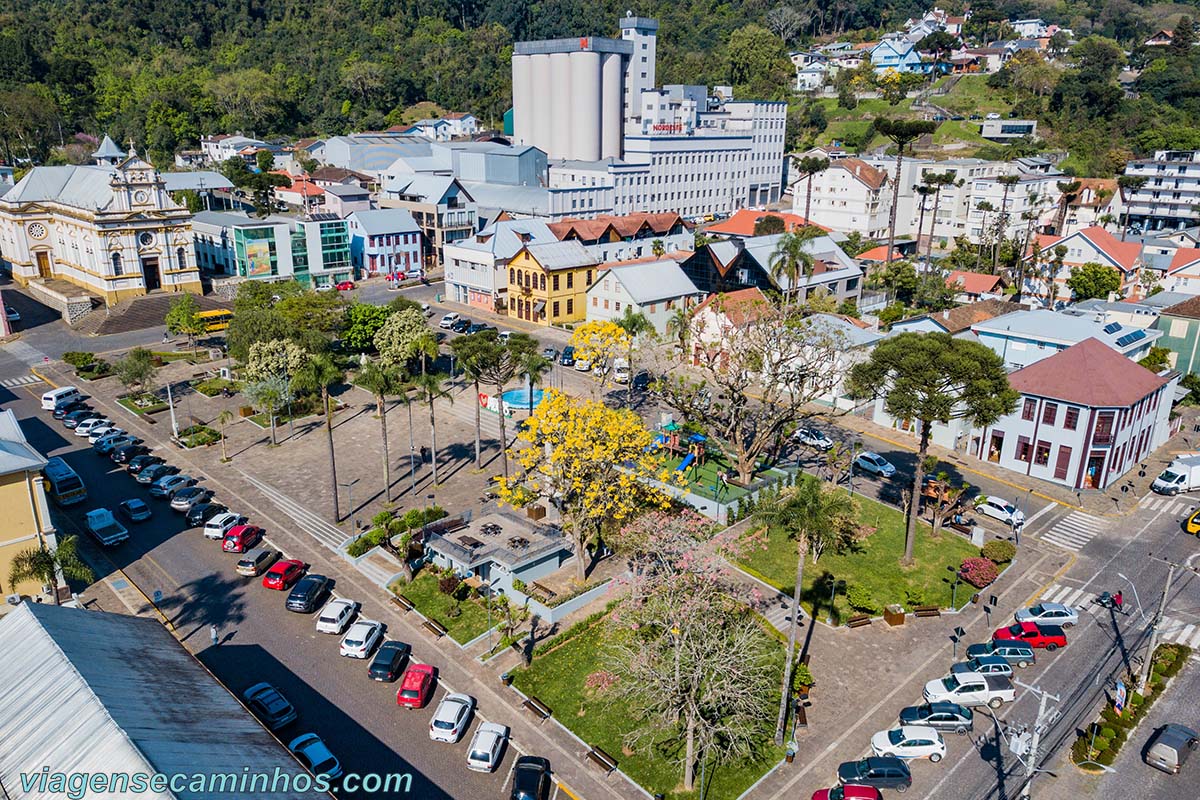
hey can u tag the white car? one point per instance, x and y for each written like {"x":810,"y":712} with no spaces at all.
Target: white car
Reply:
{"x":1001,"y":509}
{"x":313,"y":752}
{"x":504,"y":336}
{"x":621,"y":370}
{"x":221,"y":524}
{"x":100,"y":431}
{"x":361,"y":639}
{"x":487,"y":747}
{"x":993,"y":115}
{"x":426,"y":310}
{"x":449,"y":319}
{"x":336,"y":615}
{"x":909,"y":741}
{"x":86,"y":427}
{"x":875,"y":464}
{"x":814,"y":438}
{"x":1049,"y":614}
{"x":583,"y":365}
{"x":450,"y":720}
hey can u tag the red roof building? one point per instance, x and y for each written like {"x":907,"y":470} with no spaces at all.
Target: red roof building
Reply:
{"x":972,"y":286}
{"x":743,"y":221}
{"x":1090,"y":245}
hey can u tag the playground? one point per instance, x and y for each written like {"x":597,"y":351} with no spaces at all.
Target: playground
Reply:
{"x":705,"y":469}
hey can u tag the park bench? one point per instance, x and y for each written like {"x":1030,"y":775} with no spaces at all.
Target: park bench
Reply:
{"x":403,"y":602}
{"x":858,"y":621}
{"x":435,"y":627}
{"x":537,"y":708}
{"x":801,"y":716}
{"x":602,"y":760}
{"x":927,"y":611}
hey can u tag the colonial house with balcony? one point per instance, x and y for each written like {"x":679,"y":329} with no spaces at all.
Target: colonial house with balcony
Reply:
{"x":626,"y":236}
{"x":1171,"y":194}
{"x":385,"y":241}
{"x":476,"y":268}
{"x":548,"y":283}
{"x":441,"y":206}
{"x":849,"y":196}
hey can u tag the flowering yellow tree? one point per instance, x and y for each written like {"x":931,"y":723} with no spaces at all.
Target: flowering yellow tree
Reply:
{"x":600,"y":342}
{"x":593,"y":462}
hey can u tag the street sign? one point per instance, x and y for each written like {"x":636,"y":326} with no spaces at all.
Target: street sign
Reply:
{"x":959,"y":632}
{"x":157,"y":596}
{"x":1120,"y":698}
{"x":992,"y":601}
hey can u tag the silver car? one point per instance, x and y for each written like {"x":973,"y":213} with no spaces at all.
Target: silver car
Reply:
{"x":1049,"y":614}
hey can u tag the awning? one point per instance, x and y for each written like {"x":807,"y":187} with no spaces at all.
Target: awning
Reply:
{"x":539,"y":306}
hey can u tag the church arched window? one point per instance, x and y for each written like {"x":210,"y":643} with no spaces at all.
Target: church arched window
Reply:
{"x":116,"y":262}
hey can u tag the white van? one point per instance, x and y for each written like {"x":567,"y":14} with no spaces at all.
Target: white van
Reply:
{"x":60,"y":396}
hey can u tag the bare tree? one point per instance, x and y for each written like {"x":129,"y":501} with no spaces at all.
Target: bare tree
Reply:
{"x":785,"y":22}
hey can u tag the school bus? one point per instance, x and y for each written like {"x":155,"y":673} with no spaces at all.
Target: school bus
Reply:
{"x":215,"y":320}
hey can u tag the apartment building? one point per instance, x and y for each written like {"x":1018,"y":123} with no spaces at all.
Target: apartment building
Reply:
{"x":1170,"y":197}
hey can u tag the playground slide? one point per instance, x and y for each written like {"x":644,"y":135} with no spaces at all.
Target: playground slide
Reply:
{"x":658,"y":442}
{"x":687,"y":462}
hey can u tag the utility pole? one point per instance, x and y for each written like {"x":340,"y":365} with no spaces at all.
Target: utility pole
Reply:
{"x":1158,"y":616}
{"x":1017,"y":746}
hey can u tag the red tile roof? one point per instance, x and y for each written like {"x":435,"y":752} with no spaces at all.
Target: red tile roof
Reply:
{"x":1188,"y":308}
{"x":742,"y":222}
{"x":972,"y":282}
{"x":1184,"y":256}
{"x":1125,"y":254}
{"x":300,"y":184}
{"x":879,"y":254}
{"x":872,"y":177}
{"x":1099,"y":186}
{"x":590,"y":230}
{"x":1089,"y":373}
{"x":741,"y":306}
{"x":959,"y":318}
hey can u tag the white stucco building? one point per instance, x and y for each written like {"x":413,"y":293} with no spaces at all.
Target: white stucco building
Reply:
{"x":655,"y":289}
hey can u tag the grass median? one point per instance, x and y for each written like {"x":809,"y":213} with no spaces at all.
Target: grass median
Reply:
{"x":471,"y":619}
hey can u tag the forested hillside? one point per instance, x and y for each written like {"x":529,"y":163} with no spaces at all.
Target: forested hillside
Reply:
{"x":167,"y":71}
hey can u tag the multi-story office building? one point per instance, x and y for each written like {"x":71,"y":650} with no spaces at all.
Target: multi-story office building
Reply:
{"x":314,"y":251}
{"x":1170,"y":197}
{"x":441,"y":206}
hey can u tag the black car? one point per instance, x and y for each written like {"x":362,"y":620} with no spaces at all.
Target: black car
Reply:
{"x":641,"y":381}
{"x":73,"y":419}
{"x":70,"y":408}
{"x":882,"y":772}
{"x":567,"y":359}
{"x":139,"y":463}
{"x":531,"y":778}
{"x":940,"y":717}
{"x":270,"y":705}
{"x":153,"y":472}
{"x":308,"y":593}
{"x":389,"y":661}
{"x":461,"y":326}
{"x":122,"y":455}
{"x":201,"y":513}
{"x":477,"y":327}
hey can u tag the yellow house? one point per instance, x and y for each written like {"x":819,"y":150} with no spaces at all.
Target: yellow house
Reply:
{"x":25,"y":518}
{"x":548,"y":283}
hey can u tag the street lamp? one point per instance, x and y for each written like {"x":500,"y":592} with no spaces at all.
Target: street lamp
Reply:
{"x":954,"y":584}
{"x":350,"y":489}
{"x":1136,"y":599}
{"x":833,"y":587}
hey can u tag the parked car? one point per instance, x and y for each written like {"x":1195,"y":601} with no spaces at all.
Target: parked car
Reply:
{"x":1001,"y":509}
{"x":449,"y":319}
{"x":814,"y":438}
{"x":970,"y":689}
{"x":11,"y":314}
{"x":567,"y":359}
{"x":283,"y":574}
{"x":85,"y":428}
{"x":416,"y":686}
{"x":882,"y":772}
{"x":641,"y":381}
{"x":308,"y":593}
{"x":1048,"y":614}
{"x":984,"y":665}
{"x":361,"y":639}
{"x":992,"y":115}
{"x":910,"y":741}
{"x":548,"y":353}
{"x":461,"y":326}
{"x":104,"y":431}
{"x":1018,"y":654}
{"x":139,"y":463}
{"x":1192,"y":525}
{"x":426,"y":310}
{"x":218,"y":526}
{"x":451,"y":718}
{"x":155,"y":472}
{"x":122,"y":455}
{"x":530,"y":778}
{"x":315,"y":755}
{"x":487,"y":747}
{"x":620,"y":371}
{"x":109,"y":443}
{"x":850,"y":791}
{"x":345,"y":286}
{"x":75,"y":418}
{"x":940,"y":717}
{"x":875,"y":464}
{"x":476,"y":327}
{"x":253,"y":563}
{"x":169,"y":484}
{"x":134,"y":509}
{"x":201,"y":513}
{"x":389,"y":661}
{"x":1170,"y":747}
{"x":1050,"y":637}
{"x":183,"y":499}
{"x":583,"y":365}
{"x":241,"y":538}
{"x":336,"y":615}
{"x":60,"y":410}
{"x":269,"y":705}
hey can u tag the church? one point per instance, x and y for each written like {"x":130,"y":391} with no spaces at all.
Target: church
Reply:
{"x":110,"y":228}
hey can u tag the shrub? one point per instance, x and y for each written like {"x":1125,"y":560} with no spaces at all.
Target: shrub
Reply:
{"x":448,"y":584}
{"x":804,"y":675}
{"x":1106,"y":757}
{"x":198,"y":436}
{"x":978,"y":572}
{"x":519,"y":585}
{"x":999,"y":551}
{"x":914,"y":597}
{"x":860,"y":599}
{"x":362,"y":544}
{"x":1107,"y":733}
{"x":78,"y":359}
{"x":1101,"y":743}
{"x":454,"y":611}
{"x":1079,"y":750}
{"x":213,"y":386}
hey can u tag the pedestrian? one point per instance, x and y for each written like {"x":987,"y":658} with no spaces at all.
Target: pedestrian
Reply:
{"x":214,"y":635}
{"x":164,"y":341}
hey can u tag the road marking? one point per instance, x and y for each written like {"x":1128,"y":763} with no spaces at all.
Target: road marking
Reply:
{"x":1045,"y":510}
{"x":24,"y":380}
{"x":1074,"y":531}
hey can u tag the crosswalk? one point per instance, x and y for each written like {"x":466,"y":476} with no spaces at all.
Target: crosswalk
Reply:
{"x":1168,"y":505}
{"x":1075,"y":530}
{"x":1172,"y":629}
{"x":23,"y":380}
{"x":324,"y":532}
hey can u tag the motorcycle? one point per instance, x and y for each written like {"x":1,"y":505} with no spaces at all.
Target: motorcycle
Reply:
{"x":1108,"y":601}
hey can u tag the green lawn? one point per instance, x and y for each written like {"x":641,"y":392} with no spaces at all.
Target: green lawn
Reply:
{"x":557,"y":679}
{"x":146,"y":409}
{"x":873,"y":565}
{"x":423,"y":591}
{"x":971,"y":95}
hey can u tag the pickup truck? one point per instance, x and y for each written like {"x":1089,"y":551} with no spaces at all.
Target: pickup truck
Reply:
{"x":104,"y":526}
{"x":1050,"y":637}
{"x":971,"y":689}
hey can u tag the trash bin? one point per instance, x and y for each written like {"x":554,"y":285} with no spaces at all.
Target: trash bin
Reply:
{"x":893,"y":615}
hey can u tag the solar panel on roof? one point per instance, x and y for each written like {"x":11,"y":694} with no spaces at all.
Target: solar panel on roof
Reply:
{"x":1130,"y":338}
{"x":1112,"y":327}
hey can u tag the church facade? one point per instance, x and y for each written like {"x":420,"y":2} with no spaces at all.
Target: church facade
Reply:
{"x":110,"y":228}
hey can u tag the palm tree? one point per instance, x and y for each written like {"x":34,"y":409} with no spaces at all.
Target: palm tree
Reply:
{"x":429,"y":386}
{"x":809,"y":509}
{"x":1007,"y":181}
{"x":902,"y":132}
{"x":498,"y":372}
{"x":635,"y":325}
{"x":223,"y":419}
{"x":809,"y":167}
{"x":43,"y":564}
{"x":679,"y":325}
{"x":791,"y":259}
{"x":381,"y":381}
{"x":475,"y":353}
{"x":532,"y":366}
{"x":269,"y":396}
{"x":320,"y":374}
{"x":1069,"y":191}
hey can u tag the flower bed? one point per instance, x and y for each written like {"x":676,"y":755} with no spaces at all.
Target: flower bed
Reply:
{"x":211,"y":387}
{"x":144,"y":403}
{"x":198,"y":436}
{"x":94,"y":371}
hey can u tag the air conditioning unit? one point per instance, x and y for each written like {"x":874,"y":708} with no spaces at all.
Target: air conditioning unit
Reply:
{"x":13,"y":599}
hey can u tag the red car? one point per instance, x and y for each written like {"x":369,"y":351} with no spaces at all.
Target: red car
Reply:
{"x":241,"y":538}
{"x":345,"y":286}
{"x":1050,"y":637}
{"x":416,"y":686}
{"x":283,"y":574}
{"x":849,"y":791}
